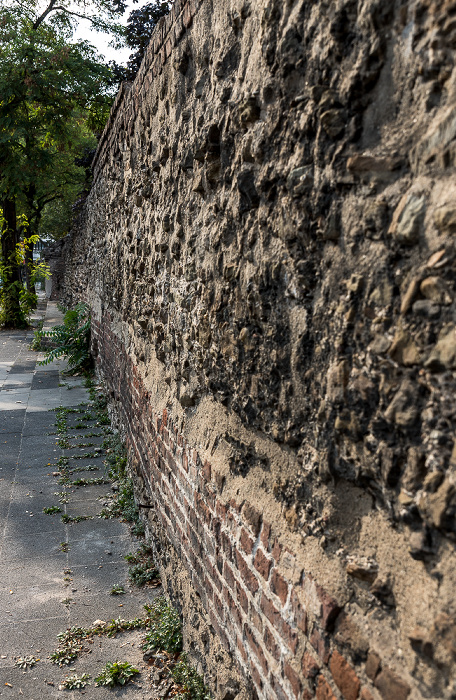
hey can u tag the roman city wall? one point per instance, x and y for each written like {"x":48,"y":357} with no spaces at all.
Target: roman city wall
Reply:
{"x":268,"y":250}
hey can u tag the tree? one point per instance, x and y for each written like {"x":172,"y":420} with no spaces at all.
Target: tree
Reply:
{"x":46,"y":81}
{"x":140,"y":26}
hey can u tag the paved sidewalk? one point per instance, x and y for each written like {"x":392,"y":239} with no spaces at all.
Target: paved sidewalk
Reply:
{"x":44,"y":589}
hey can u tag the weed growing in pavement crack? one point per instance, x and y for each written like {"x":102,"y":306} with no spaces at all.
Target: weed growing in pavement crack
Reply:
{"x":116,"y":674}
{"x":88,"y":468}
{"x":62,"y":496}
{"x":71,"y":641}
{"x":165,"y":635}
{"x":64,"y":546}
{"x":140,"y":574}
{"x":89,"y":482}
{"x":123,"y":503}
{"x":87,"y":455}
{"x":52,"y":510}
{"x":75,"y":518}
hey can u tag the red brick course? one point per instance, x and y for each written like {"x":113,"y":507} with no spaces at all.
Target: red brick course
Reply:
{"x":231,"y":554}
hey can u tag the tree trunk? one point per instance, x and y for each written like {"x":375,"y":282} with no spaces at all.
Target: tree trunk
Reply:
{"x":28,"y":268}
{"x":11,"y":314}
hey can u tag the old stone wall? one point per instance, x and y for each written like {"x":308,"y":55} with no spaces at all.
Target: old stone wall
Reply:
{"x":269,"y":252}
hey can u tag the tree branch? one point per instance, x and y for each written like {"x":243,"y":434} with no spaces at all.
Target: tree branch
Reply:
{"x":43,"y":16}
{"x":69,"y":12}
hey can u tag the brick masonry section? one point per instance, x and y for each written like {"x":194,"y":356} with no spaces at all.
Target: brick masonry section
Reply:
{"x":260,"y":617}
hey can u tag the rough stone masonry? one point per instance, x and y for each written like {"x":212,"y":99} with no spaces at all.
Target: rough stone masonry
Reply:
{"x":268,"y":250}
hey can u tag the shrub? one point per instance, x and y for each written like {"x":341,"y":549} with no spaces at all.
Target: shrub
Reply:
{"x":71,"y":340}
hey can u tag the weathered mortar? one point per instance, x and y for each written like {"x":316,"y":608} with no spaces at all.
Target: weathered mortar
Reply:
{"x":268,"y":249}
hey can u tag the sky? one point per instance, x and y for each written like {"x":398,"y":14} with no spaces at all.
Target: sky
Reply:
{"x":101,"y":41}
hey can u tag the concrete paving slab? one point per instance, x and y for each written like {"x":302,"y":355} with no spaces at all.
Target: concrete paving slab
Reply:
{"x":33,"y":603}
{"x":45,"y":571}
{"x":10,"y":401}
{"x":19,"y":379}
{"x":22,"y":521}
{"x":36,"y":547}
{"x":33,"y":685}
{"x":39,"y":422}
{"x":87,"y":608}
{"x":12,"y":421}
{"x":98,"y":493}
{"x":85,"y":552}
{"x":10,"y":443}
{"x":95,"y":579}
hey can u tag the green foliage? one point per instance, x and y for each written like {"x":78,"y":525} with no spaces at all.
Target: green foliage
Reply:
{"x":75,"y":518}
{"x":67,"y":654}
{"x":16,"y":301}
{"x":70,"y":641}
{"x":140,"y":26}
{"x":123,"y":504}
{"x":190,"y":680}
{"x":165,"y":633}
{"x":26,"y":662}
{"x":89,"y":482}
{"x":117,"y":589}
{"x":52,"y":510}
{"x":71,"y":340}
{"x":116,"y":674}
{"x":54,"y":96}
{"x":142,"y":573}
{"x":76,"y":682}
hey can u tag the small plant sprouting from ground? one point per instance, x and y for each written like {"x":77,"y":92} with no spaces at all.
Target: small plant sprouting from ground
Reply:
{"x":64,"y":547}
{"x":116,"y":674}
{"x":89,"y":482}
{"x":26,"y":661}
{"x":123,"y":504}
{"x":143,"y":570}
{"x":71,"y":641}
{"x":117,"y":589}
{"x":88,"y":468}
{"x":52,"y":510}
{"x":191,"y":682}
{"x":165,"y":633}
{"x":76,"y":682}
{"x":67,"y":654}
{"x":63,"y":496}
{"x":87,"y":455}
{"x":75,"y":518}
{"x":140,"y":574}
